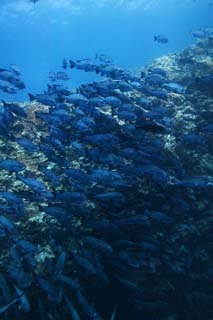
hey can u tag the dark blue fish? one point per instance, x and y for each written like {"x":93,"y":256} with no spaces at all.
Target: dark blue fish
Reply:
{"x":140,"y":220}
{"x":161,"y":39}
{"x":84,"y":264}
{"x":20,"y":277}
{"x":9,"y":305}
{"x":58,"y":213}
{"x":196,"y":182}
{"x":72,"y":284}
{"x":5,"y":289}
{"x":102,"y":140}
{"x":99,"y":244}
{"x":155,"y":79}
{"x":61,"y":75}
{"x":27,"y":246}
{"x":17,"y":259}
{"x":5,"y":223}
{"x":64,"y":64}
{"x":35,"y":185}
{"x":194,"y":139}
{"x":59,"y":266}
{"x":72,"y":310}
{"x":15,"y":108}
{"x":116,"y":199}
{"x":174,"y":87}
{"x":43,"y":99}
{"x":152,"y":307}
{"x":27,"y":145}
{"x":49,"y":289}
{"x":25,"y":304}
{"x":12,"y":165}
{"x":15,"y":203}
{"x":50,"y":176}
{"x":88,"y":309}
{"x":129,"y":259}
{"x":207,"y":129}
{"x":157,"y":216}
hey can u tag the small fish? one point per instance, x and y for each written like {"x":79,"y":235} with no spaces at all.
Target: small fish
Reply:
{"x":35,"y":185}
{"x":27,"y":145}
{"x":23,"y":300}
{"x":64,"y":64}
{"x":174,"y":87}
{"x":49,"y":289}
{"x":84,"y":264}
{"x":114,"y":313}
{"x":207,"y":129}
{"x":15,"y":68}
{"x":59,"y":266}
{"x":161,"y":39}
{"x":15,"y":108}
{"x":20,"y":277}
{"x":7,"y":224}
{"x":72,"y":310}
{"x":73,"y":285}
{"x":12,"y":165}
{"x":60,"y":75}
{"x":6,"y":307}
{"x":103,"y":58}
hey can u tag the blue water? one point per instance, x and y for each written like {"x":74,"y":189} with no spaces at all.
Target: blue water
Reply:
{"x":38,"y":36}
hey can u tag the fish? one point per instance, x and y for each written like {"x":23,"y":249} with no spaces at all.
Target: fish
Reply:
{"x":9,"y":305}
{"x":27,"y":246}
{"x":64,"y":64}
{"x":15,"y":69}
{"x":174,"y":87}
{"x":84,"y":264}
{"x":207,"y":129}
{"x":10,"y":77}
{"x":49,"y":289}
{"x":42,"y":98}
{"x":35,"y":185}
{"x":7,"y":224}
{"x":7,"y":88}
{"x":22,"y":279}
{"x":12,"y":165}
{"x":114,"y":313}
{"x":99,"y":244}
{"x":59,"y":266}
{"x":15,"y":109}
{"x":72,"y":284}
{"x":88,"y":309}
{"x":103,"y":58}
{"x":72,"y":310}
{"x":60,"y":75}
{"x":196,"y":182}
{"x":27,"y":145}
{"x":155,"y":79}
{"x":161,"y":39}
{"x":23,"y":299}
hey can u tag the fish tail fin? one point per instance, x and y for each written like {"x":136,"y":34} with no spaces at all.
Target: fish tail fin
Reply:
{"x":97,"y":70}
{"x":155,"y":38}
{"x":4,"y":103}
{"x":72,"y":64}
{"x":31,"y":96}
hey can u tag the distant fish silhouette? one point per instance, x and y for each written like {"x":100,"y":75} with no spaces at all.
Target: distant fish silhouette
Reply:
{"x":34,"y":1}
{"x":161,"y":39}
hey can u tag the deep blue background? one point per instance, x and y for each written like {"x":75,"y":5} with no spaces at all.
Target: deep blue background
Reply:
{"x":37,"y":37}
